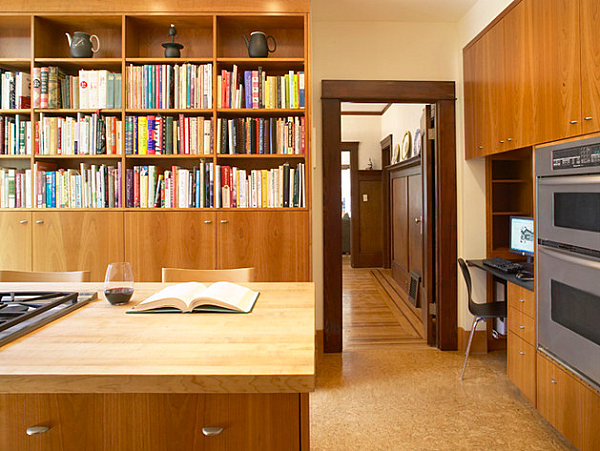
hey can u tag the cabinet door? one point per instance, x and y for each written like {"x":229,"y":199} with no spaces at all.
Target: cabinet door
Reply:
{"x":77,"y":241}
{"x":470,"y":96}
{"x":557,"y":88}
{"x":590,"y":65}
{"x":275,"y":243}
{"x":520,"y":364}
{"x":518,"y":74}
{"x":399,"y":208}
{"x":176,"y":239}
{"x":15,"y":245}
{"x":415,"y":223}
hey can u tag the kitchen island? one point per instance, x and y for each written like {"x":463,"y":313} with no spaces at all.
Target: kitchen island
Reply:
{"x":101,"y":379}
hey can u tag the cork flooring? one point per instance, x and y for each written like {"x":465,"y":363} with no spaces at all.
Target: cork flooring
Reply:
{"x":398,"y":394}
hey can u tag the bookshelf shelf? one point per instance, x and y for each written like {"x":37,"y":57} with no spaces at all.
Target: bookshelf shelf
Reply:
{"x":169,"y":157}
{"x":78,"y":157}
{"x":261,"y":111}
{"x":159,"y":60}
{"x":168,"y":111}
{"x":111,"y":111}
{"x":16,"y":111}
{"x":22,"y":64}
{"x":81,"y":63}
{"x":15,"y":157}
{"x":280,"y":156}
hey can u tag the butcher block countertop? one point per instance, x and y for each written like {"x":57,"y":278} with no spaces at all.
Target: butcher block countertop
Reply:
{"x":100,"y":349}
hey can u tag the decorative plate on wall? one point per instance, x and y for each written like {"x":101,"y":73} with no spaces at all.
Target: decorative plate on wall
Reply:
{"x":406,"y":146}
{"x":395,"y":155}
{"x":418,"y":143}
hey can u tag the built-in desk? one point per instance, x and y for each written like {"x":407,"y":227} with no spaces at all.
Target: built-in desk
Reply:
{"x":527,"y":284}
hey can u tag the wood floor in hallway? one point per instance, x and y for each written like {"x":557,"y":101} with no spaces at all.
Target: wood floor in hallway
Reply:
{"x":371,"y":312}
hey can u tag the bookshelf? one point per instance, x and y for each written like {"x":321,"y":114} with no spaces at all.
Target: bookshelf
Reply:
{"x":32,"y":40}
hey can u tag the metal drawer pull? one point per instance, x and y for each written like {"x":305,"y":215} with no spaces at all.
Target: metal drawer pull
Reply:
{"x":207,"y":222}
{"x":553,"y":380}
{"x":509,"y":139}
{"x":224,"y":221}
{"x":501,"y":141}
{"x":588,"y":118}
{"x":521,"y":300}
{"x":521,"y":326}
{"x":521,"y":352}
{"x":36,"y":430}
{"x":573,"y":122}
{"x":39,"y":221}
{"x":23,"y":221}
{"x":210,"y":432}
{"x":481,"y":147}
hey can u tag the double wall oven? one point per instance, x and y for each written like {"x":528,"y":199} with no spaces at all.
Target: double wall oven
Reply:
{"x":568,"y":254}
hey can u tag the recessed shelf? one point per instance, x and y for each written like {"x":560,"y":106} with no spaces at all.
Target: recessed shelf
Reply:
{"x":78,"y":157}
{"x":16,"y":64}
{"x":260,"y":156}
{"x":76,"y":110}
{"x":167,"y":111}
{"x":16,"y":111}
{"x":15,"y":157}
{"x":262,"y":111}
{"x":169,"y":156}
{"x":509,"y":213}
{"x":113,"y":64}
{"x":159,"y":60}
{"x":511,"y":181}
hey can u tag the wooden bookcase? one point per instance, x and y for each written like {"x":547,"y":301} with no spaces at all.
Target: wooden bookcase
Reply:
{"x":202,"y":237}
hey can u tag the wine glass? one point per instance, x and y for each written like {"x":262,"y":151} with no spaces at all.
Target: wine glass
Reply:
{"x":118,"y":283}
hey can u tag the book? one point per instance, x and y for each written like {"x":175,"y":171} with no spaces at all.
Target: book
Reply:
{"x":189,"y":297}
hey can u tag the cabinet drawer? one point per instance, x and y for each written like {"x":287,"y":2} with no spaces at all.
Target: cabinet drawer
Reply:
{"x":522,"y":325}
{"x":521,"y":366}
{"x":521,"y":299}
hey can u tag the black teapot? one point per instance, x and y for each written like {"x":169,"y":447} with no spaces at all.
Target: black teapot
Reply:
{"x":258,"y":46}
{"x":81,"y":44}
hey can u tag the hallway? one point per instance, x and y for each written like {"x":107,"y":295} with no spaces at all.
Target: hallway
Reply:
{"x":389,"y":391}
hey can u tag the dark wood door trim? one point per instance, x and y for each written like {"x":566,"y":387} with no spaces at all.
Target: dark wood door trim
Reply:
{"x":442,"y":95}
{"x":386,"y":154}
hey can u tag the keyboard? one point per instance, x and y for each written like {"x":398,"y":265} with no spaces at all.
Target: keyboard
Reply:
{"x":503,"y":265}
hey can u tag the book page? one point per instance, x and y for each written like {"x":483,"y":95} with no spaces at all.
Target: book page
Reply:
{"x":185,"y":292}
{"x":228,"y":295}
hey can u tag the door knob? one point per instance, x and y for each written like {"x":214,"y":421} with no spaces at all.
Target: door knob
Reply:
{"x":417,"y":219}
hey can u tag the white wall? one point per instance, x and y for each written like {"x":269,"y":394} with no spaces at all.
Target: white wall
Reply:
{"x":363,"y":51}
{"x":400,"y":118}
{"x":366,"y":130}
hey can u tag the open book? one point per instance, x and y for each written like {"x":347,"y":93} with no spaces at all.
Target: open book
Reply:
{"x":197,"y":297}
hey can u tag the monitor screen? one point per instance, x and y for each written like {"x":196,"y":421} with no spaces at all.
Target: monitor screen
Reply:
{"x":521,"y":235}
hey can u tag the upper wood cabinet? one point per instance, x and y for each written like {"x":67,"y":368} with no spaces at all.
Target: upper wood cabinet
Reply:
{"x":589,"y":14}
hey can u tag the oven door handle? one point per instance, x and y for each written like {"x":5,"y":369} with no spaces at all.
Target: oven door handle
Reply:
{"x":588,"y":262}
{"x":569,"y":180}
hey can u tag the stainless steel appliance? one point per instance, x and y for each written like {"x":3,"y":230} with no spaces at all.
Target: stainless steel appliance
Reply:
{"x":23,"y":312}
{"x":568,"y":255}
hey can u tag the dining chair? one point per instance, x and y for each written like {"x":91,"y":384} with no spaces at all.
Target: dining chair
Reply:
{"x":36,"y":276}
{"x":207,"y":275}
{"x":479,"y":311}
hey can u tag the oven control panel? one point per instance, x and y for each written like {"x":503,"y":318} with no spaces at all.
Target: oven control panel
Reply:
{"x":576,"y":157}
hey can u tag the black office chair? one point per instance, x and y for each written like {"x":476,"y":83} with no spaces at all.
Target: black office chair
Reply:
{"x":479,"y":311}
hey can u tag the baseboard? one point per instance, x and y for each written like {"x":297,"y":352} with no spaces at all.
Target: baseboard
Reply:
{"x":479,"y":344}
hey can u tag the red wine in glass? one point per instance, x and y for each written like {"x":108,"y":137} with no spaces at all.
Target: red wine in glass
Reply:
{"x":118,"y":296}
{"x":118,"y":284}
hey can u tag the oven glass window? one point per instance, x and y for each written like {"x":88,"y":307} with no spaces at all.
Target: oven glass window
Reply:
{"x":576,"y":310}
{"x":580,"y":211}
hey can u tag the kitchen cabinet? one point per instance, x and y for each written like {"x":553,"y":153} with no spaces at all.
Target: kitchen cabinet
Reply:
{"x":152,"y":422}
{"x":570,"y":405}
{"x":77,"y":240}
{"x":589,"y":15}
{"x":557,"y":85}
{"x":15,"y":245}
{"x":274,"y":243}
{"x":471,"y":105}
{"x":178,"y":239}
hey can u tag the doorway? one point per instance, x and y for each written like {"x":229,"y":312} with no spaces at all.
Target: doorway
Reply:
{"x":442,"y":169}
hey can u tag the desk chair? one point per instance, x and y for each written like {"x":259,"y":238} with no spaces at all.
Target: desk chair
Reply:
{"x":479,"y":311}
{"x":32,"y":276}
{"x":207,"y":275}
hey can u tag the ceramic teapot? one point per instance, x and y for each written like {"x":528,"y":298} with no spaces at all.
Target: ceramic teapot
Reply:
{"x":81,"y":44}
{"x":258,"y":46}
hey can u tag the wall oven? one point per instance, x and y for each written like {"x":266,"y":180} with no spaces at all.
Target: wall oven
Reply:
{"x":568,"y":254}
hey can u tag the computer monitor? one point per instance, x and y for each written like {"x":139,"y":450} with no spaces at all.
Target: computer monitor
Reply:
{"x":522,"y":236}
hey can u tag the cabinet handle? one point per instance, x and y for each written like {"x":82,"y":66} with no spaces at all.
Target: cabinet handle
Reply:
{"x":481,"y":147}
{"x":521,"y":352}
{"x":207,"y":222}
{"x":23,"y":221}
{"x":573,"y":122}
{"x":39,"y":221}
{"x":210,"y":432}
{"x":588,"y":118}
{"x":521,"y":300}
{"x":509,"y":139}
{"x":521,"y":326}
{"x":224,"y":221}
{"x":501,"y":141}
{"x":553,"y":381}
{"x":417,"y":220}
{"x":36,"y":430}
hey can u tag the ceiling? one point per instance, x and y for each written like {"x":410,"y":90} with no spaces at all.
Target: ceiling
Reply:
{"x":390,"y":10}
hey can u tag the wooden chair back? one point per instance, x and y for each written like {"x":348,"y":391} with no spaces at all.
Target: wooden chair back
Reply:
{"x":207,"y":275}
{"x":32,"y":276}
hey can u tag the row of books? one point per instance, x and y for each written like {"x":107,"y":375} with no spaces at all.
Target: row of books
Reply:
{"x":156,"y":135}
{"x":253,"y":135}
{"x":256,"y":89}
{"x":182,"y":86}
{"x":86,"y":134}
{"x":92,"y":186}
{"x":14,"y":188}
{"x":52,"y":88}
{"x":15,"y":135}
{"x":15,"y":90}
{"x":223,"y":187}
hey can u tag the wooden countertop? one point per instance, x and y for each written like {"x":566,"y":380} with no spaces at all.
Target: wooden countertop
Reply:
{"x":100,"y":349}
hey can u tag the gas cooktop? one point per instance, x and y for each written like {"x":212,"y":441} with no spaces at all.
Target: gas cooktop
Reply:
{"x":25,"y":311}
